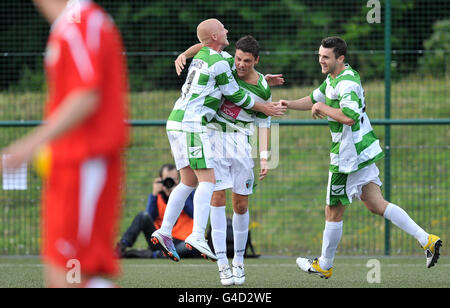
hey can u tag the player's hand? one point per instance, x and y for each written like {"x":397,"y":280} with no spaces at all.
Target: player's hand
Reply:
{"x":285,"y":103}
{"x":316,"y":112}
{"x":274,"y":109}
{"x":264,"y":169}
{"x":274,"y":80}
{"x":180,"y":62}
{"x":157,"y":186}
{"x":17,"y":154}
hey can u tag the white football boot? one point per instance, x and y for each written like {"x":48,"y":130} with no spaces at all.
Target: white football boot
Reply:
{"x":200,"y":244}
{"x":238,"y":274}
{"x":225,"y":275}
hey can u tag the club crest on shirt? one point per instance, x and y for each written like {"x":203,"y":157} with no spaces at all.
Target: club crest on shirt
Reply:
{"x":248,"y":184}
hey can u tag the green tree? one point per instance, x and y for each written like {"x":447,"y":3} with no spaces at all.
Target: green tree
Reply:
{"x":437,"y":48}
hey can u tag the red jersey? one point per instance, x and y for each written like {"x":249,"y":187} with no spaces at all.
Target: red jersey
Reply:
{"x":85,"y":51}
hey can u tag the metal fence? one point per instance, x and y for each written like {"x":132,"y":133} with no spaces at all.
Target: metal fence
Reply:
{"x":400,"y":48}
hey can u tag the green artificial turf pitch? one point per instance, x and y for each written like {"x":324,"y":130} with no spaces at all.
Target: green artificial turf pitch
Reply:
{"x":264,"y":272}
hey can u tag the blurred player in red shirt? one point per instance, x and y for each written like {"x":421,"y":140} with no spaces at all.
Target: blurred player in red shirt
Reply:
{"x":84,"y":136}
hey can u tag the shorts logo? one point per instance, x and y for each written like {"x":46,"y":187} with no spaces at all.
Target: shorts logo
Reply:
{"x":195,"y":152}
{"x":248,"y":184}
{"x":338,"y":190}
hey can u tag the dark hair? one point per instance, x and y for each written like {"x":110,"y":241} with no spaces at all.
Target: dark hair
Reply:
{"x":248,"y":44}
{"x":169,"y":167}
{"x":339,"y":45}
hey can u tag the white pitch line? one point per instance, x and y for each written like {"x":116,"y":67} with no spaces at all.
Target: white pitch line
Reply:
{"x":11,"y":265}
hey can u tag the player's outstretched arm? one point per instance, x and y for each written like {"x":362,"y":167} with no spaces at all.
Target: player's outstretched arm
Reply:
{"x":304,"y":103}
{"x":180,"y":61}
{"x":272,"y":109}
{"x":74,"y":110}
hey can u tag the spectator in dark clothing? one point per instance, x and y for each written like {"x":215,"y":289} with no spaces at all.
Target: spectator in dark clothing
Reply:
{"x":150,"y":220}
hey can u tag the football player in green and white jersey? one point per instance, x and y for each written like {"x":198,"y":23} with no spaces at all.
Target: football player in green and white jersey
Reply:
{"x":230,"y":131}
{"x":232,"y":128}
{"x":354,"y":151}
{"x":209,"y":78}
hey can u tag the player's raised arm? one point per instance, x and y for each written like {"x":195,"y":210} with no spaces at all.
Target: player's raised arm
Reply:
{"x":180,"y":61}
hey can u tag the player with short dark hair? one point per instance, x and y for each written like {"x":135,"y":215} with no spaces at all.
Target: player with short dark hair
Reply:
{"x":355,"y":150}
{"x":230,"y":131}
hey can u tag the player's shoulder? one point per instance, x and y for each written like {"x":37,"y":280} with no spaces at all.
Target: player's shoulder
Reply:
{"x":263,"y":81}
{"x":349,"y":78}
{"x":261,"y":89}
{"x":211,"y":57}
{"x":88,"y":15}
{"x":226,"y":55}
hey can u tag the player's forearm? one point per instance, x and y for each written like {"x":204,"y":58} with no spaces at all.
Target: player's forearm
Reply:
{"x":260,"y":107}
{"x":304,"y":103}
{"x":270,"y":109}
{"x":74,"y":110}
{"x":193,"y":50}
{"x":77,"y":107}
{"x":264,"y":137}
{"x":336,"y":114}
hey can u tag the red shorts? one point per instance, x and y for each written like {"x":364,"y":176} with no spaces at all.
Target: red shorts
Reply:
{"x":81,"y":209}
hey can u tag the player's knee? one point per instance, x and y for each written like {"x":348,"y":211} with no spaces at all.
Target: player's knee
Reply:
{"x":334,"y":213}
{"x":146,"y":218}
{"x":376,"y":208}
{"x":240,"y":207}
{"x":373,"y":209}
{"x":219,"y":198}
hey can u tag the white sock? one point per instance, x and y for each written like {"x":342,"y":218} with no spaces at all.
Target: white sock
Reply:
{"x":331,"y":238}
{"x":240,"y":233}
{"x":219,"y":233}
{"x":401,"y":219}
{"x":202,"y":201}
{"x":175,"y":205}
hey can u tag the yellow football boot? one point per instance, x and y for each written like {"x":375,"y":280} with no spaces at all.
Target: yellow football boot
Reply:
{"x":313,"y":267}
{"x":432,"y":249}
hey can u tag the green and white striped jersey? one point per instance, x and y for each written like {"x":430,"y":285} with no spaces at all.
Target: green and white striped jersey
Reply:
{"x":353,"y":147}
{"x":209,"y":78}
{"x":238,"y":118}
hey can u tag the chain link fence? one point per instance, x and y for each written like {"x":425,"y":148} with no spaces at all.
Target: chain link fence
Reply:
{"x":287,"y":208}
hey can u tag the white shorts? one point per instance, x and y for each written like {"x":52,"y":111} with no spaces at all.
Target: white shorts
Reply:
{"x":233,"y":163}
{"x":344,"y":187}
{"x":191,"y":149}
